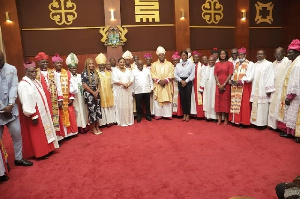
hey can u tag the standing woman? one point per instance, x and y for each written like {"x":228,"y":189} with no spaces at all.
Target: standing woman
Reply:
{"x":223,"y":72}
{"x":90,"y":84}
{"x":122,"y":80}
{"x":185,"y":74}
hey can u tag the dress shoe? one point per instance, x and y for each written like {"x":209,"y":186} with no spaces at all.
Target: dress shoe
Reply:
{"x":138,"y":119}
{"x":285,"y":135}
{"x":4,"y":178}
{"x":23,"y":162}
{"x":148,"y":118}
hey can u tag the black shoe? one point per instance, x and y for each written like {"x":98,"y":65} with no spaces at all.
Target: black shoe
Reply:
{"x":23,"y":162}
{"x":138,"y":119}
{"x":4,"y":178}
{"x":297,"y":140}
{"x":285,"y":135}
{"x":148,"y":118}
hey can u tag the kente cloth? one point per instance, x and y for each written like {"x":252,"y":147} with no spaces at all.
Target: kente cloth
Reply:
{"x":237,"y":91}
{"x":49,"y":87}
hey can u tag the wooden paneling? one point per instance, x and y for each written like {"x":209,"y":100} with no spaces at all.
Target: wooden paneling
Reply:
{"x":205,"y":38}
{"x":182,"y":26}
{"x":11,"y":36}
{"x":291,"y":21}
{"x":242,"y":26}
{"x":113,"y":5}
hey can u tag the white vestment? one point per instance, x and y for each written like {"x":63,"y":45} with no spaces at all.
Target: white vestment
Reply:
{"x":291,"y":118}
{"x":208,"y":82}
{"x":79,"y":104}
{"x":280,"y":68}
{"x":32,"y":96}
{"x":263,"y":83}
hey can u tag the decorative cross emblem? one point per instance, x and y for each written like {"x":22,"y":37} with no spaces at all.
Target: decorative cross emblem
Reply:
{"x":259,"y":6}
{"x":212,"y":11}
{"x":62,"y":12}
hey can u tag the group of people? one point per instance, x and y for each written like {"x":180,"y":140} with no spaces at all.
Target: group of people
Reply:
{"x":56,"y":103}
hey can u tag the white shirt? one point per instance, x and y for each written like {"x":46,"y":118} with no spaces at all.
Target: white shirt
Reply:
{"x":142,"y":81}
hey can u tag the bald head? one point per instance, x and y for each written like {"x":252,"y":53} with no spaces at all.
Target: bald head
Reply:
{"x":1,"y":59}
{"x":279,"y":53}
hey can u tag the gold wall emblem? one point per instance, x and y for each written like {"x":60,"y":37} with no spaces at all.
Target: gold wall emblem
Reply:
{"x":259,"y":6}
{"x":147,"y":9}
{"x":62,"y":12}
{"x":212,"y":11}
{"x":114,"y":36}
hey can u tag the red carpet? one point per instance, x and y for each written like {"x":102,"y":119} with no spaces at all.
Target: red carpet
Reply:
{"x":160,"y":159}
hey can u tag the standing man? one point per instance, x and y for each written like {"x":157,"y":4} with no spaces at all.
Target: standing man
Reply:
{"x":142,"y":85}
{"x":9,"y":110}
{"x":234,"y":57}
{"x":66,"y":91}
{"x":198,"y":78}
{"x":292,"y":112}
{"x":39,"y":136}
{"x":108,"y":107}
{"x":240,"y":108}
{"x":79,"y":104}
{"x":262,"y":87}
{"x":280,"y":66}
{"x":47,"y":79}
{"x":162,"y":72}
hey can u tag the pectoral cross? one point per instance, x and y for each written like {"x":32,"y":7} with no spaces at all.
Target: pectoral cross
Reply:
{"x":65,"y":87}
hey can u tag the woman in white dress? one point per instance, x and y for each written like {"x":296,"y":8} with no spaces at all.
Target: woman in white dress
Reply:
{"x":122,"y":80}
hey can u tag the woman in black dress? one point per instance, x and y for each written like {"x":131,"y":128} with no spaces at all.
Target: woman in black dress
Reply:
{"x":90,"y":83}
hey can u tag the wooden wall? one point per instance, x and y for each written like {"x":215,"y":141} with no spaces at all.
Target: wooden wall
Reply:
{"x":177,"y":35}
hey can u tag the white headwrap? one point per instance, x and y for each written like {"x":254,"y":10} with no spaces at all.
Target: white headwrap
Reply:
{"x":160,"y":49}
{"x":127,"y":55}
{"x":100,"y":59}
{"x":72,"y":60}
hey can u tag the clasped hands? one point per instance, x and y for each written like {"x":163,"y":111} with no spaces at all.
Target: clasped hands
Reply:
{"x":183,"y":83}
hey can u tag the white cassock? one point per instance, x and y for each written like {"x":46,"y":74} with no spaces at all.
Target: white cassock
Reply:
{"x":208,"y":82}
{"x":292,"y":116}
{"x":32,"y":96}
{"x":280,"y":68}
{"x":79,"y":105}
{"x":263,"y":83}
{"x":123,"y":97}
